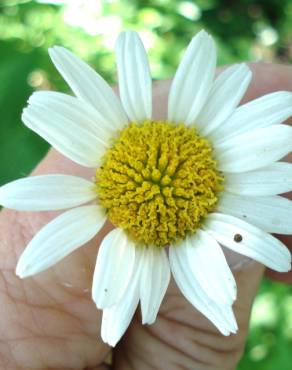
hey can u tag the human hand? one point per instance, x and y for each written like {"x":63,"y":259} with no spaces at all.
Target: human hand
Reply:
{"x":49,"y":320}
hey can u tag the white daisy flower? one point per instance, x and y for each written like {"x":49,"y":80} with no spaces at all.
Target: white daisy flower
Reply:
{"x":176,"y":190}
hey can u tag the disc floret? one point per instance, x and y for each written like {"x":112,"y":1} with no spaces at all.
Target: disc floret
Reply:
{"x":158,"y":181}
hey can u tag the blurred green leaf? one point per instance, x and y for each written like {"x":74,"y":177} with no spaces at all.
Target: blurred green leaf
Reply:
{"x":20,"y":150}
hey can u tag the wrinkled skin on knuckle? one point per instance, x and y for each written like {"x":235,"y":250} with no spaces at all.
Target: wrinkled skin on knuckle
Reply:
{"x":182,"y":338}
{"x":178,"y":346}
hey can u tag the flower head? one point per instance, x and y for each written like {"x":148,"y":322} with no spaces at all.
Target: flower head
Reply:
{"x":158,"y":181}
{"x":176,"y":189}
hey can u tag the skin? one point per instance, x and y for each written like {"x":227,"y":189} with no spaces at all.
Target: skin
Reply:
{"x":50,"y":322}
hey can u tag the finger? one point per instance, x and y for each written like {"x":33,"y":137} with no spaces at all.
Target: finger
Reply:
{"x":287,"y":277}
{"x":186,"y":338}
{"x":268,"y":78}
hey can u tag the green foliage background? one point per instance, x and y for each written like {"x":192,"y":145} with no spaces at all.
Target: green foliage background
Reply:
{"x":243,"y":29}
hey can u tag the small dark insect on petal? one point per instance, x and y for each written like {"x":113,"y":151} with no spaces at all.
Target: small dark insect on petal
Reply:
{"x":237,"y":238}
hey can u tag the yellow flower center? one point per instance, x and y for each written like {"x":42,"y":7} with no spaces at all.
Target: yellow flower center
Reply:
{"x":158,"y":181}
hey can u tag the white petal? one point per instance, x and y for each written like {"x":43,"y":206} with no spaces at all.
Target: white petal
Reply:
{"x":155,"y":276}
{"x":114,"y":268}
{"x":220,"y":315}
{"x":75,"y":110}
{"x":255,"y":149}
{"x":226,"y":93}
{"x":134,"y":77}
{"x":271,"y":214}
{"x":47,"y":193}
{"x":209,"y":267}
{"x":88,"y":86}
{"x":193,"y":80}
{"x":271,"y":180}
{"x":66,"y":133}
{"x":255,"y":243}
{"x":265,"y":111}
{"x":59,"y":238}
{"x":116,"y":319}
